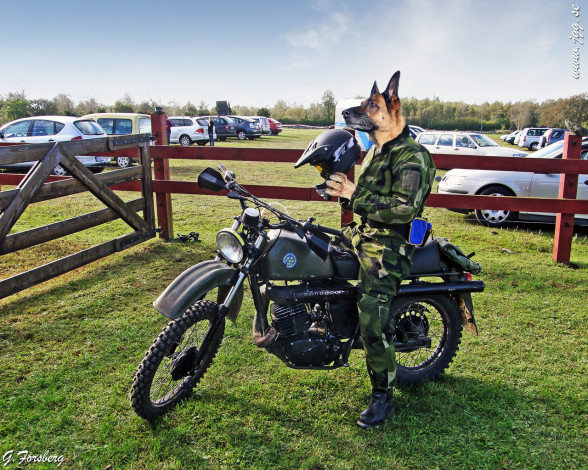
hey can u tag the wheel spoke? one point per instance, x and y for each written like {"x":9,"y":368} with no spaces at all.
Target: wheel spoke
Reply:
{"x":154,"y":388}
{"x":421,"y":319}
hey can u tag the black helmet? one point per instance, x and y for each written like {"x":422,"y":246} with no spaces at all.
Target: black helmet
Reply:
{"x":333,"y":151}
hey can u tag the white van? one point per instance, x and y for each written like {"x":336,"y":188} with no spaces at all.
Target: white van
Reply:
{"x":122,"y":124}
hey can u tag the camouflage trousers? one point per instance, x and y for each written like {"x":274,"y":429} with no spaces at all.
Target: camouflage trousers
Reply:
{"x":384,"y":259}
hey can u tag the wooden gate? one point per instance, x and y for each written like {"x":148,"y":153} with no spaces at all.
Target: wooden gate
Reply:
{"x":35,"y":188}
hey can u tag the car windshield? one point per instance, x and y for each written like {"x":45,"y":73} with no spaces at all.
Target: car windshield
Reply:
{"x":89,"y":128}
{"x":483,"y":141}
{"x":229,"y":120}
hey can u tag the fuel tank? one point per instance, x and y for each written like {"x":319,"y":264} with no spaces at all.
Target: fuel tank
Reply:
{"x":288,"y":258}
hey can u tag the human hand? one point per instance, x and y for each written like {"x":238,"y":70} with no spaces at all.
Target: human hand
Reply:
{"x":339,"y":186}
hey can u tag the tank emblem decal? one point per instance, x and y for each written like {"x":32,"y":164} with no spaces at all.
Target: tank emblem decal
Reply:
{"x":289,"y":260}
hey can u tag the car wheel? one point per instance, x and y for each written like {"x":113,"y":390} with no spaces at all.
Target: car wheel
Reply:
{"x":495,"y":217}
{"x":123,"y":162}
{"x":185,"y":141}
{"x":59,"y":171}
{"x":533,"y":146}
{"x":222,"y":139}
{"x":241,"y":135}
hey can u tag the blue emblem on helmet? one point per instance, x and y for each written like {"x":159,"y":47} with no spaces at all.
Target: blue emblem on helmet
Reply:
{"x":289,"y":260}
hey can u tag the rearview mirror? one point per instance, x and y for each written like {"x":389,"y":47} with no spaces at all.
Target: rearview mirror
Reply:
{"x":212,"y":180}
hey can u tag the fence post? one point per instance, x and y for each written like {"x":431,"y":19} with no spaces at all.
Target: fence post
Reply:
{"x":161,"y":172}
{"x":347,"y":216}
{"x":568,"y":188}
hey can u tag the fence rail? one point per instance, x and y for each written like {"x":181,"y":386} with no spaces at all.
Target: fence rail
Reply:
{"x":565,"y":206}
{"x":139,"y":179}
{"x":38,"y":186}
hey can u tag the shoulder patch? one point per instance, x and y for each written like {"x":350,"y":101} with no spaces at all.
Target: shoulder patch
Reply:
{"x":411,"y":178}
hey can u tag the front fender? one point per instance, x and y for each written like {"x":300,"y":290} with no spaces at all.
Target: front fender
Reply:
{"x":193,"y":284}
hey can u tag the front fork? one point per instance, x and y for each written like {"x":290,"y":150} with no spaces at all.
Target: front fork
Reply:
{"x":224,"y":308}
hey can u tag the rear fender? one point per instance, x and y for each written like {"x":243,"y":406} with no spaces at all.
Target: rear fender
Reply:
{"x":466,"y":309}
{"x":193,"y":284}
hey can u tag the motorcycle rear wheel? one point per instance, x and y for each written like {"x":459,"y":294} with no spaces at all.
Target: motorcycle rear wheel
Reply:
{"x":436,"y":317}
{"x":174,"y":364}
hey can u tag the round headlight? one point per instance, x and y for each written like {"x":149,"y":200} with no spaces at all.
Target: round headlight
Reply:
{"x":230,"y":245}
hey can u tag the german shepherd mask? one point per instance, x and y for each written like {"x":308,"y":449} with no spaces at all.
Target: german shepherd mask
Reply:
{"x":379,"y":115}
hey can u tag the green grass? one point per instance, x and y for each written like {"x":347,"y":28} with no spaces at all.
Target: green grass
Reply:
{"x":514,"y":397}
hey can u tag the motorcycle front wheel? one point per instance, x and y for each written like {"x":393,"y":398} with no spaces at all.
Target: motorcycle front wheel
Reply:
{"x":175,"y":362}
{"x":434,"y":319}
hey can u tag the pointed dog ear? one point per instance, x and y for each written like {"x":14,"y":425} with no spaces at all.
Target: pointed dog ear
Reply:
{"x":392,"y":89}
{"x":375,"y":90}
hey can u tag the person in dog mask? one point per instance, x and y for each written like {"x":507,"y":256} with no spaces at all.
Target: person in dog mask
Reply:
{"x":394,"y":181}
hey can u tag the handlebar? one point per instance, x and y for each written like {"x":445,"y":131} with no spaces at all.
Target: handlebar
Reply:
{"x":297,"y":226}
{"x":308,"y":226}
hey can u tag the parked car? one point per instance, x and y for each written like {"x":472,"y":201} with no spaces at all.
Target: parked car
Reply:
{"x":275,"y":126}
{"x":122,"y":124}
{"x":510,"y":138}
{"x":415,"y":130}
{"x":187,"y":130}
{"x":529,"y":137}
{"x":264,"y":123}
{"x":514,"y":183}
{"x":551,"y":136}
{"x":39,"y":129}
{"x":246,"y":128}
{"x":223,"y":126}
{"x":464,"y":143}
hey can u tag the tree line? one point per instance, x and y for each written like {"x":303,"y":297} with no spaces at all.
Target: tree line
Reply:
{"x":428,"y":113}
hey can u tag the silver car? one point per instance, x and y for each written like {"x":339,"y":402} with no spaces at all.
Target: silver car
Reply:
{"x":39,"y":129}
{"x":529,"y":137}
{"x":464,"y":143}
{"x":263,"y":123}
{"x":514,"y":183}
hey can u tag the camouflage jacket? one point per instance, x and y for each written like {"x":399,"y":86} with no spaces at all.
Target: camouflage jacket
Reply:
{"x":393,"y":182}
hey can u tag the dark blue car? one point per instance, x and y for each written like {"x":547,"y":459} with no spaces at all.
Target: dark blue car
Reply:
{"x":551,"y":136}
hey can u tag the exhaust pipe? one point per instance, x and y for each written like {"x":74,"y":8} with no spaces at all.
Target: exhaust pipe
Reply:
{"x":440,"y":288}
{"x":262,"y":340}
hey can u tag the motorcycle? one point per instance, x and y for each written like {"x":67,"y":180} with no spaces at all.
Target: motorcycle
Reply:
{"x":305,"y":282}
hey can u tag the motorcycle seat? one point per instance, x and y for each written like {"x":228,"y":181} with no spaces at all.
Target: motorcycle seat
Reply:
{"x":425,"y":260}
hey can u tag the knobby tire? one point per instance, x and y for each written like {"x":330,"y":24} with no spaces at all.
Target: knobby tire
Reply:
{"x":175,"y":339}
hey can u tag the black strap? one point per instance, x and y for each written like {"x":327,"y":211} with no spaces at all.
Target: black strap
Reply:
{"x":401,"y":229}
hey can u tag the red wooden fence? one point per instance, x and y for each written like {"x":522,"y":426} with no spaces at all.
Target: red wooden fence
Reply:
{"x":567,"y":205}
{"x":569,"y":167}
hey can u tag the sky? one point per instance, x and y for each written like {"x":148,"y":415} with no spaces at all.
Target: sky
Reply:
{"x":256,"y":52}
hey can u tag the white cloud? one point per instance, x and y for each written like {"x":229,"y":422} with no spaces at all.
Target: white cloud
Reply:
{"x":323,"y":37}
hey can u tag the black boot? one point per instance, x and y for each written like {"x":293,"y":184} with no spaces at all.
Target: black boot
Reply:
{"x":380,"y":408}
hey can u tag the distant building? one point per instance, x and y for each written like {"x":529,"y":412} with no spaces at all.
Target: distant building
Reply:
{"x":223,"y":108}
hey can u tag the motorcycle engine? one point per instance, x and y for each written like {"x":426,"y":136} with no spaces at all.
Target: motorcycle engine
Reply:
{"x":304,"y":343}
